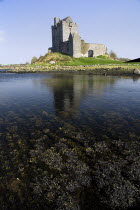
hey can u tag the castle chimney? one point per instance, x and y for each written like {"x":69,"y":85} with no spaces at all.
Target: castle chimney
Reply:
{"x":56,"y":20}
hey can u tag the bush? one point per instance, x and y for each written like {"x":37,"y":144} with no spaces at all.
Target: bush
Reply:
{"x":34,"y":59}
{"x":113,"y":55}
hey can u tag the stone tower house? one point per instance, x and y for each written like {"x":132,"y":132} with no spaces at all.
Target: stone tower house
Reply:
{"x":66,"y":39}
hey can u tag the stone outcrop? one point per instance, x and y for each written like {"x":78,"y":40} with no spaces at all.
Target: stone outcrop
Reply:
{"x":136,"y":71}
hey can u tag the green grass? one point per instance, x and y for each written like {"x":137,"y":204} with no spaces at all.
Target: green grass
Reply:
{"x":91,"y":61}
{"x":57,"y":57}
{"x":65,"y":60}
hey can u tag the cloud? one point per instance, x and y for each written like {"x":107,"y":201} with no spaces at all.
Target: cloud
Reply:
{"x":2,"y":36}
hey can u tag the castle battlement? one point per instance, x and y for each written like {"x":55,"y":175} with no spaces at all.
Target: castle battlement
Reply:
{"x":66,"y":39}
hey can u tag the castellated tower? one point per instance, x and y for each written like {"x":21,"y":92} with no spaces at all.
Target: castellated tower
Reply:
{"x":66,"y":39}
{"x":75,"y":45}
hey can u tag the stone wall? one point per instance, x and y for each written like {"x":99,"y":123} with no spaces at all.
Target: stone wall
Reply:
{"x":68,"y":28}
{"x":98,"y":49}
{"x":64,"y":47}
{"x":60,"y":34}
{"x":84,"y":47}
{"x":75,"y":45}
{"x":56,"y":37}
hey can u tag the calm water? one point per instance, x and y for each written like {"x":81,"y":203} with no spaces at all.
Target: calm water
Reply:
{"x":68,"y":137}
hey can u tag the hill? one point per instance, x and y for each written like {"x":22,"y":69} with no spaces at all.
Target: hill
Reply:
{"x":61,"y":59}
{"x":56,"y":57}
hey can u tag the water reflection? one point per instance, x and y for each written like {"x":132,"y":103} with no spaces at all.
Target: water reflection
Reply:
{"x":69,"y":90}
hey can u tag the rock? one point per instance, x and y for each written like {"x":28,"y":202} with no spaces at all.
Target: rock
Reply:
{"x":52,"y":62}
{"x":136,"y":71}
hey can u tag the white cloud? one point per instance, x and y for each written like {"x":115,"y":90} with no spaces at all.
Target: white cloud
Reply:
{"x":2,"y":36}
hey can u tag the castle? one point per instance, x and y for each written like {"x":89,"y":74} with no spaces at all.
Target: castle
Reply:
{"x":66,"y":39}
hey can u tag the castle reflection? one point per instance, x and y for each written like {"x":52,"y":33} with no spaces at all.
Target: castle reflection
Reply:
{"x":69,"y":89}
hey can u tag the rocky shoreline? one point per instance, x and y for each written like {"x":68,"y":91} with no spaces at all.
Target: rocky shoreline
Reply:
{"x":95,"y":70}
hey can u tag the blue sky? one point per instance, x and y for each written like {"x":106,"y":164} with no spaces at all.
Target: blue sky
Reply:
{"x":25,"y":26}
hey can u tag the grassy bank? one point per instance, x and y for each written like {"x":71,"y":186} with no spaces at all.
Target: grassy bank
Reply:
{"x":65,"y":60}
{"x":92,"y":61}
{"x":103,"y":65}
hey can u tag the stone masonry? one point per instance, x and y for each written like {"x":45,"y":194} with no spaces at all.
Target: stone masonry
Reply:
{"x":66,"y":39}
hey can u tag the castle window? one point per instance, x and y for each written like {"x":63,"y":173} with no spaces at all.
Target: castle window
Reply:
{"x":70,"y":24}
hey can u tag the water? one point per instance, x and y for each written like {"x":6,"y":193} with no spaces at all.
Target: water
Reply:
{"x":4,"y":70}
{"x":68,"y":137}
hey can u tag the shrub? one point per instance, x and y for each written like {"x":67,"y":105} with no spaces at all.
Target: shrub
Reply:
{"x":113,"y":55}
{"x":34,"y":59}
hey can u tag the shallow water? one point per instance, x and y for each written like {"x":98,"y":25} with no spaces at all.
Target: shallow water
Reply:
{"x":63,"y":135}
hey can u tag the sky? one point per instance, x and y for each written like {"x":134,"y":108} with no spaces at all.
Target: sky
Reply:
{"x":25,"y":26}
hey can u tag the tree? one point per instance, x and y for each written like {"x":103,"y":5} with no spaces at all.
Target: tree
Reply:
{"x":113,"y":54}
{"x":34,"y":59}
